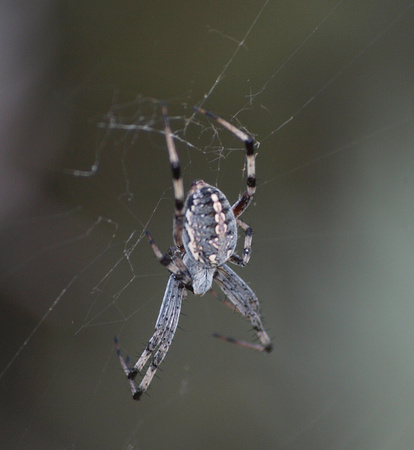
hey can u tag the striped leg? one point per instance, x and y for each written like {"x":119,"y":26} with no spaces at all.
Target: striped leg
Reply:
{"x":177,"y":181}
{"x":240,"y":206}
{"x":174,"y":264}
{"x":160,"y":341}
{"x":247,"y":248}
{"x":246,"y":303}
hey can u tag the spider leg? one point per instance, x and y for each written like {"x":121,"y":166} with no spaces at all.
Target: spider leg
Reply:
{"x":246,"y":302}
{"x":247,"y":249}
{"x":257,"y":347}
{"x":124,"y":364}
{"x":174,"y":265}
{"x":160,"y":341}
{"x":177,"y":181}
{"x":243,"y":202}
{"x":225,"y":301}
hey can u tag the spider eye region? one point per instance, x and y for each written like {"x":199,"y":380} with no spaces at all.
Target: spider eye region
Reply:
{"x":210,"y":228}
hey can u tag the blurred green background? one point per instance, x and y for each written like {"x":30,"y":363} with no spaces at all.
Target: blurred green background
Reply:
{"x":333,"y":218}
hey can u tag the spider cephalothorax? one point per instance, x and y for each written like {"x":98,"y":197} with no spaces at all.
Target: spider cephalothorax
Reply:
{"x":205,"y":238}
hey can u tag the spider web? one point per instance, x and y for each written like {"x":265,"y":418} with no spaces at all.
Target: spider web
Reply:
{"x":326,"y":89}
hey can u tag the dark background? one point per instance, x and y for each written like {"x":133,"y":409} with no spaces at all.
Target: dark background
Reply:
{"x":333,"y":220}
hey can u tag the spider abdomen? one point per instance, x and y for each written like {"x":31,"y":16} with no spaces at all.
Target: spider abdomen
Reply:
{"x":210,"y":228}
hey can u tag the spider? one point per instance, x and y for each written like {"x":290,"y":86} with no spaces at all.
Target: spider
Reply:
{"x":205,"y":237}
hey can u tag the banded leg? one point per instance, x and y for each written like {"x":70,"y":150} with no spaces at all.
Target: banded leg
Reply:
{"x":246,"y":302}
{"x":178,"y":184}
{"x":174,"y":264}
{"x":160,"y":341}
{"x":243,"y":202}
{"x":247,"y":249}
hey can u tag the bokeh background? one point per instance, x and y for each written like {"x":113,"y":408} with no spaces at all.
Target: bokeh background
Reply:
{"x":333,"y":220}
